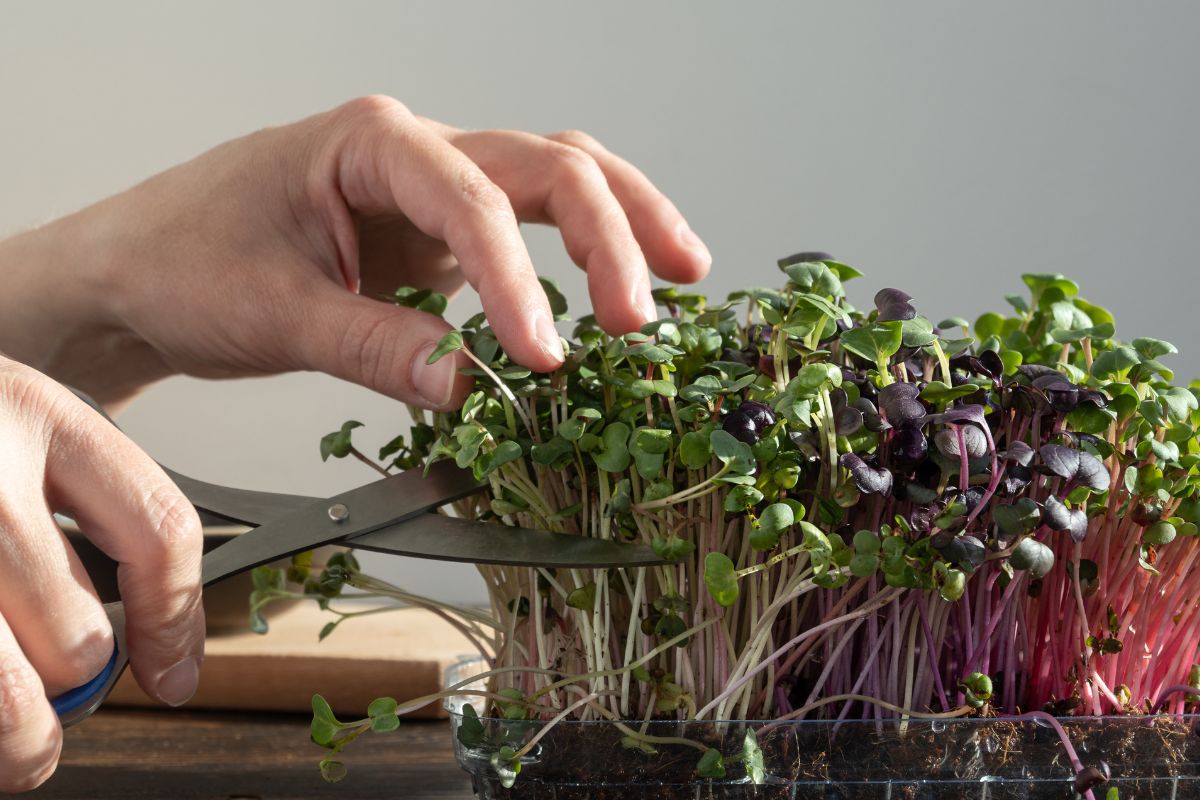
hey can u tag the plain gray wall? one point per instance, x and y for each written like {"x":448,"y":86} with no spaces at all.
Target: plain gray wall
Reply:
{"x":943,"y":147}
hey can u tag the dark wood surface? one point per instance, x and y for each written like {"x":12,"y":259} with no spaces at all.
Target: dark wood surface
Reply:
{"x":172,"y":754}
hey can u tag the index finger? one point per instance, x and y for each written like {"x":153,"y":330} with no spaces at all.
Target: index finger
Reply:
{"x":387,"y":162}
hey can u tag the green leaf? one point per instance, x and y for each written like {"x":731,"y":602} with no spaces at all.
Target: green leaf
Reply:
{"x":1066,"y":315}
{"x":583,"y":597}
{"x":1032,"y":555}
{"x":324,"y":724}
{"x":558,"y":303}
{"x":1041,"y":283}
{"x":694,"y":450}
{"x":337,"y":444}
{"x":874,"y":342}
{"x":940,"y":393}
{"x":1153,"y":348}
{"x":614,"y":453}
{"x":1019,"y":518}
{"x":988,"y":325}
{"x":752,"y":757}
{"x":711,"y":765}
{"x":382,"y":707}
{"x":866,"y":542}
{"x":742,"y":498}
{"x":721,"y":579}
{"x":1111,"y":363}
{"x":729,"y":450}
{"x":449,"y":343}
{"x":332,"y":770}
{"x":916,"y":332}
{"x":864,"y":565}
{"x":504,"y":453}
{"x":470,"y":729}
{"x":1180,"y":403}
{"x":815,"y":277}
{"x":775,"y":520}
{"x":672,"y":548}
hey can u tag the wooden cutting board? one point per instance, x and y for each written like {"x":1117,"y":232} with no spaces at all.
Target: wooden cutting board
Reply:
{"x":402,"y":654}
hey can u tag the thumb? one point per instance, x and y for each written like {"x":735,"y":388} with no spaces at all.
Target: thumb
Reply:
{"x":380,"y":346}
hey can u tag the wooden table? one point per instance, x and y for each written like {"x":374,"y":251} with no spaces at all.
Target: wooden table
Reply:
{"x":233,"y":756}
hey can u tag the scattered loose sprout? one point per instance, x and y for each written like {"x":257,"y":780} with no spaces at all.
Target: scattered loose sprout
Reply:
{"x":857,"y":505}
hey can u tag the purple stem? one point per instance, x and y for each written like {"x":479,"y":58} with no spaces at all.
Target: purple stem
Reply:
{"x":991,"y":626}
{"x":933,"y":661}
{"x":1062,"y":735}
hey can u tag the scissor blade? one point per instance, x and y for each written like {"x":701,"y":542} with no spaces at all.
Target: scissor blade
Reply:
{"x":243,"y":506}
{"x":347,"y":515}
{"x":450,"y":539}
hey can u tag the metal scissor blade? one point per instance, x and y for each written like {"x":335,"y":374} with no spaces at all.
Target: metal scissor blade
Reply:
{"x":450,"y":539}
{"x":347,"y":515}
{"x":243,"y":506}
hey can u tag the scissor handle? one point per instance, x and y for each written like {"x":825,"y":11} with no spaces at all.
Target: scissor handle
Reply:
{"x":76,"y":705}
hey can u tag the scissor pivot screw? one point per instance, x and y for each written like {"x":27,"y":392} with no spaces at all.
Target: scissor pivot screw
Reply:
{"x":338,"y":512}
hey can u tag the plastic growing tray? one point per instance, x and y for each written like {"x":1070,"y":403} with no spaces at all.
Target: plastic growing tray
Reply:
{"x":961,"y":759}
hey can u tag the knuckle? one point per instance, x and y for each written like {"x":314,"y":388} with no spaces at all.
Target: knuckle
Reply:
{"x":174,"y":526}
{"x":481,"y":195}
{"x":575,"y":165}
{"x":375,"y":107}
{"x":575,"y":138}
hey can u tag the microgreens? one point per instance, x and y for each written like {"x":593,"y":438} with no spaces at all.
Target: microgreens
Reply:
{"x":856,"y":505}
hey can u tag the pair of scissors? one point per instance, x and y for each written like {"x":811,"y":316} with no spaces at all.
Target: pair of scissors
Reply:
{"x":395,"y":515}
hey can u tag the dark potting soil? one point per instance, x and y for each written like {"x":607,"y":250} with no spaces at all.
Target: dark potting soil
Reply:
{"x":984,"y":759}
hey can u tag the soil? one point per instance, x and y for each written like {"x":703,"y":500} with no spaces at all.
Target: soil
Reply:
{"x":984,"y":759}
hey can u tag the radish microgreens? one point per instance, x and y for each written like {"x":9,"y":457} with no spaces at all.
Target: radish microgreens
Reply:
{"x":865,"y":513}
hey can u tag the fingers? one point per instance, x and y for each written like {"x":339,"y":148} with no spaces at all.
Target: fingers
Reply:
{"x":562,"y":184}
{"x":388,"y":162}
{"x":30,"y":736}
{"x":126,"y":505}
{"x":380,"y":346}
{"x":675,"y":253}
{"x":45,"y":594}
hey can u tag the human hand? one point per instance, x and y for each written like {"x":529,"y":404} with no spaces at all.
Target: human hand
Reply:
{"x":246,"y":260}
{"x":59,"y":455}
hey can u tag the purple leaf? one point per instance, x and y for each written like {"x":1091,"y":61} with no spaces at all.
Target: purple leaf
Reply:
{"x":1076,"y":465}
{"x":868,"y":479}
{"x":1019,"y":453}
{"x":969,"y":413}
{"x":1062,"y":395}
{"x":1060,"y":518}
{"x":909,"y":445}
{"x":893,"y":305}
{"x":972,"y":437}
{"x":1034,"y":371}
{"x":900,"y":404}
{"x":871,"y":419}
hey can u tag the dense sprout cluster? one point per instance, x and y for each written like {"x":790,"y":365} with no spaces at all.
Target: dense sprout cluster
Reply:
{"x":865,"y":513}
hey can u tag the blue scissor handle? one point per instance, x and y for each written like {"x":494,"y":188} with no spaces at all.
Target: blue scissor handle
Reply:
{"x":75,"y":705}
{"x":73,"y":699}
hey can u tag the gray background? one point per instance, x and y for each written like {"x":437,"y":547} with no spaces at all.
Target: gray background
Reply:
{"x":943,"y":147}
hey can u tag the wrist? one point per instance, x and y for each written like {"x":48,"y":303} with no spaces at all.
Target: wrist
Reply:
{"x":59,"y":301}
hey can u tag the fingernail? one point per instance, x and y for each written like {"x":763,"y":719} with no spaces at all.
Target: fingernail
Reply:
{"x":434,"y":382}
{"x":548,"y":338}
{"x":649,"y":309}
{"x":178,"y":684}
{"x":689,"y":239}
